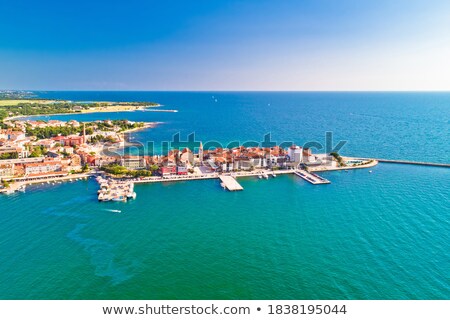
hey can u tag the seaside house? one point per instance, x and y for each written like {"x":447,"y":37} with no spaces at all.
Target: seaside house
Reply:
{"x":44,"y":167}
{"x":73,"y":123}
{"x":133,"y":162}
{"x":7,"y":170}
{"x":56,"y":123}
{"x":167,"y":170}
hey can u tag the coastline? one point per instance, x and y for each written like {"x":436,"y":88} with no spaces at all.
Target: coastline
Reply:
{"x":371,"y":164}
{"x":100,"y":110}
{"x":147,"y":125}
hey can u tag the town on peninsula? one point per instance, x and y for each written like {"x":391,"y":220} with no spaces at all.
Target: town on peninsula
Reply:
{"x":52,"y":151}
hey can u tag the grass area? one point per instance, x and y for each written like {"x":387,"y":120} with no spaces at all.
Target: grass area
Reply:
{"x":6,"y":103}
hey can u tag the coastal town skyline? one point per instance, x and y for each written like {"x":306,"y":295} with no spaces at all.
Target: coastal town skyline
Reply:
{"x":234,"y":45}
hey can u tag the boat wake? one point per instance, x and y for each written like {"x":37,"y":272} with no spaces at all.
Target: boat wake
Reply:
{"x":113,"y":210}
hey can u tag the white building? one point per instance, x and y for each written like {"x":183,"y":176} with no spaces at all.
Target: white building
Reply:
{"x":295,"y":154}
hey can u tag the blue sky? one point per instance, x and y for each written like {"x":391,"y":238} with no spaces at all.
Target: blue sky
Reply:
{"x":225,"y":45}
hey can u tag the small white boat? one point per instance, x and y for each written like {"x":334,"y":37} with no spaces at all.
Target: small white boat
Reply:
{"x":259,"y":176}
{"x":265,"y":176}
{"x":370,"y":171}
{"x":274,"y":175}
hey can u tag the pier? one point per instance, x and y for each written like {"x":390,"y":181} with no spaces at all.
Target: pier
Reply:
{"x":311,"y":177}
{"x":230,"y":183}
{"x":418,"y":163}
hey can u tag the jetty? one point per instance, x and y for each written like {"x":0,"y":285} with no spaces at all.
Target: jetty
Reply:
{"x":230,"y":183}
{"x":418,"y":163}
{"x":311,"y":177}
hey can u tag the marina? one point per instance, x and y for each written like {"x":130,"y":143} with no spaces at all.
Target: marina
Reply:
{"x":115,"y":190}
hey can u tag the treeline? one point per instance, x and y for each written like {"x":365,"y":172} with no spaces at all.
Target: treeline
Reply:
{"x":10,"y":155}
{"x":38,"y":151}
{"x":138,"y":103}
{"x":119,"y":170}
{"x":338,"y":158}
{"x":49,"y":132}
{"x":122,"y":124}
{"x":101,"y":138}
{"x":30,"y":109}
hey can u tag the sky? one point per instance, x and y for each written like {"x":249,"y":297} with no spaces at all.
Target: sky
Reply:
{"x":293,"y":45}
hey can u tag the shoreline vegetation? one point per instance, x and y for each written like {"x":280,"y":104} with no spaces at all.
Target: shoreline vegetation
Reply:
{"x":16,"y":109}
{"x":120,"y":126}
{"x":19,"y":105}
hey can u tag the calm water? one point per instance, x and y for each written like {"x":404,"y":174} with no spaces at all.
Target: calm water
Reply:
{"x":383,"y":235}
{"x":412,"y":126}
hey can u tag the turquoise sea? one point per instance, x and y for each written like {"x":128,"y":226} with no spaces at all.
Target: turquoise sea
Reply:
{"x":384,"y":235}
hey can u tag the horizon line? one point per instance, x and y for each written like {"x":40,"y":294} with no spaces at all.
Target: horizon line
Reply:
{"x":305,"y":91}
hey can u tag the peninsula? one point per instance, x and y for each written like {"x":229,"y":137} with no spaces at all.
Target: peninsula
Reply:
{"x":51,"y":151}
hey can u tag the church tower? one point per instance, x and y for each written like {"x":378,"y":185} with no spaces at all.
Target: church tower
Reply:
{"x":200,"y":152}
{"x":84,"y":132}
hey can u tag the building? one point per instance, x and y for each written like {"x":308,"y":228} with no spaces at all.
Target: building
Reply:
{"x":308,"y":156}
{"x":56,"y":123}
{"x":69,"y":140}
{"x":133,"y":162}
{"x":187,"y":156}
{"x":43,"y":167}
{"x":295,"y":154}
{"x":200,"y":152}
{"x":10,"y":135}
{"x":13,"y":148}
{"x":23,"y":161}
{"x":46,"y":143}
{"x":6,"y":170}
{"x":182,"y":170}
{"x":75,"y":160}
{"x":68,"y":149}
{"x":167,"y":170}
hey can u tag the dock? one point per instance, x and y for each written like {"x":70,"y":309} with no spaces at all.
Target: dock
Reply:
{"x":418,"y":163}
{"x":230,"y":183}
{"x":311,"y":177}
